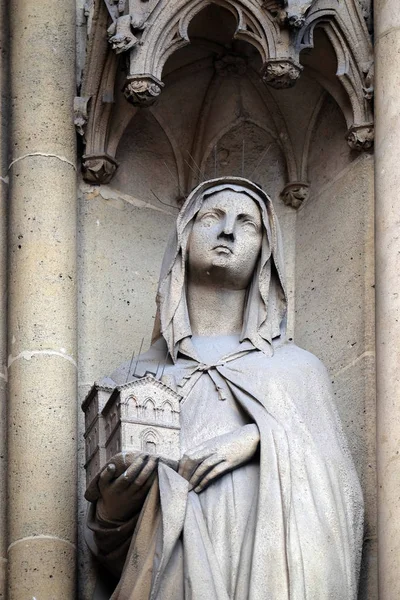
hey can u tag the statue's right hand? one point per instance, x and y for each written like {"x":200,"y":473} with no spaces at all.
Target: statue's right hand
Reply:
{"x":122,"y":495}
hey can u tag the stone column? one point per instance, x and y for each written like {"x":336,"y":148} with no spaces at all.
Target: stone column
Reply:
{"x":4,"y":114}
{"x":387,"y":189}
{"x":42,"y":303}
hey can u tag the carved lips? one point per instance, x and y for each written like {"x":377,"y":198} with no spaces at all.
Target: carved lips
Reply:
{"x":224,"y":248}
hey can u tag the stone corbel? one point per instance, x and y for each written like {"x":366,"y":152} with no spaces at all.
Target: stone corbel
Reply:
{"x":98,"y":168}
{"x":142,"y":90}
{"x":295,"y":193}
{"x":281,"y":73}
{"x":361,"y":137}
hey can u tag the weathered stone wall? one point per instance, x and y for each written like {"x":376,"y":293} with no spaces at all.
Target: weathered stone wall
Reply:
{"x":335,"y":299}
{"x":121,"y":244}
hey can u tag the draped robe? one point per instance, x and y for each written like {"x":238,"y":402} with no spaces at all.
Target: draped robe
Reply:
{"x":288,"y":525}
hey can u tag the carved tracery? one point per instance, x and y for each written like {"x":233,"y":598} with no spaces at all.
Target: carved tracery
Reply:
{"x":130,"y":42}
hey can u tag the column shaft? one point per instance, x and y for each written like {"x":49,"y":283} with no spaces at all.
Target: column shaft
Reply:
{"x":387,"y":186}
{"x":42,"y":303}
{"x":4,"y":120}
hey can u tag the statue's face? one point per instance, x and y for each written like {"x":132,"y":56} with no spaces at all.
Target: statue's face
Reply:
{"x":225,"y":242}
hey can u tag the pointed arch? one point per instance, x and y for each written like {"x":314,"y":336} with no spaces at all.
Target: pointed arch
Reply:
{"x":150,"y":441}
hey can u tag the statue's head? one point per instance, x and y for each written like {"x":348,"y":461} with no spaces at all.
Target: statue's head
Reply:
{"x":226,"y":234}
{"x":225,"y":242}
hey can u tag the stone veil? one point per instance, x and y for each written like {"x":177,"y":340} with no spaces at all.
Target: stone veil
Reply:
{"x":288,"y":523}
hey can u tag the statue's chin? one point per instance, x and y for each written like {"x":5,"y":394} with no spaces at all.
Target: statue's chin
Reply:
{"x":223,"y":273}
{"x":222,"y":261}
{"x":220,"y":269}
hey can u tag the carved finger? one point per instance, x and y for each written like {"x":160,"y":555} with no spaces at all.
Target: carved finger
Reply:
{"x":147,"y":485}
{"x":202,"y":470}
{"x":133,"y":470}
{"x":146,"y":472}
{"x":107,"y":475}
{"x":211,"y":476}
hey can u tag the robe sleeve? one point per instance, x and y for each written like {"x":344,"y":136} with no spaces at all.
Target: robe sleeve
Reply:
{"x":109,"y":541}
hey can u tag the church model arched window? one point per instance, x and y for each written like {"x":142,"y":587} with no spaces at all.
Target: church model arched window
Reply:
{"x":133,"y":408}
{"x":149,"y":412}
{"x":149,"y":442}
{"x":167,"y":413}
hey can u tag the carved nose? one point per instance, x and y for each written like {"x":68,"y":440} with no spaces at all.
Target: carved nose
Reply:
{"x":228,"y":228}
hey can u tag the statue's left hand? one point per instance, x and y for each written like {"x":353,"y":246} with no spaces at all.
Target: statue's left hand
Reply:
{"x":218,"y":456}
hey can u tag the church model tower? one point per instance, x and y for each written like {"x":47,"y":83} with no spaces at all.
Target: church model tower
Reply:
{"x":141,"y":416}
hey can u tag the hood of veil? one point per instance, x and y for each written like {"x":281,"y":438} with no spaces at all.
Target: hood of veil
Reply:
{"x":266,"y":301}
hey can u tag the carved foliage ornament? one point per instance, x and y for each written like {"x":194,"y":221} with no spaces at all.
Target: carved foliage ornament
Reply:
{"x":153,"y":30}
{"x":281,"y":74}
{"x":142,"y":91}
{"x":295,"y":193}
{"x":361,"y":137}
{"x":98,"y":168}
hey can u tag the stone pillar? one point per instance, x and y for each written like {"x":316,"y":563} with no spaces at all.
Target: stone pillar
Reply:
{"x":4,"y":120}
{"x":42,"y":303}
{"x":387,"y":189}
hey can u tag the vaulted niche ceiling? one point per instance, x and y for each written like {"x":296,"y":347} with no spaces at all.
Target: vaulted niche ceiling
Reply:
{"x":211,"y":33}
{"x":216,"y":117}
{"x":225,"y":91}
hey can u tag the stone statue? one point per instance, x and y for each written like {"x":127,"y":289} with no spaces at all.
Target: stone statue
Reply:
{"x":265,"y":503}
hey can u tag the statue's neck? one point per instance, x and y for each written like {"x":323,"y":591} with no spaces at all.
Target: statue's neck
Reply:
{"x":214,"y":310}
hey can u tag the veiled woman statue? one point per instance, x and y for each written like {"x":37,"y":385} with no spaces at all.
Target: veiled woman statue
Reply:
{"x":266,"y":504}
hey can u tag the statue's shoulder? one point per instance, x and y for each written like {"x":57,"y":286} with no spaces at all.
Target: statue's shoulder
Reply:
{"x":290,"y":356}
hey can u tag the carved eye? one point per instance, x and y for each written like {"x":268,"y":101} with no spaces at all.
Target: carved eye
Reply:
{"x":209,"y":218}
{"x":249,"y":224}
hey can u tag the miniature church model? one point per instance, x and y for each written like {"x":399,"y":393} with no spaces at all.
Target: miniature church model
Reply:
{"x":142,"y":415}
